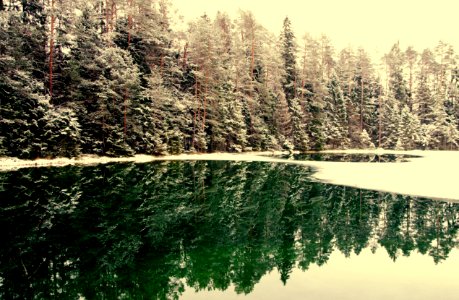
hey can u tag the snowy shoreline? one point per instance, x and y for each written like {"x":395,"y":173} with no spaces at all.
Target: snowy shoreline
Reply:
{"x":429,"y":175}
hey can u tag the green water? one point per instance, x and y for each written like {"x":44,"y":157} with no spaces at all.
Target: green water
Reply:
{"x":223,"y":230}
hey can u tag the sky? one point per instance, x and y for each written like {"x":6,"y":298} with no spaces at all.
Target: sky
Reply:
{"x":374,"y":25}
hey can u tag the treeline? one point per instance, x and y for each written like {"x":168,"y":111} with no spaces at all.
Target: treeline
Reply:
{"x":144,"y":230}
{"x":112,"y":78}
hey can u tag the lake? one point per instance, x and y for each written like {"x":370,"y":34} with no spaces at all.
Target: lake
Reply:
{"x":218,"y":230}
{"x":349,"y":157}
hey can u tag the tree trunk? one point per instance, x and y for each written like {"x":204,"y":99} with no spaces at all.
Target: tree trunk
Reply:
{"x":237,"y":77}
{"x":107,"y":17}
{"x":361,"y":104}
{"x":410,"y":98}
{"x":380,"y":122}
{"x":129,"y":7}
{"x":303,"y":77}
{"x":114,"y":15}
{"x":103,"y":135}
{"x":125,"y":90}
{"x":161,"y":65}
{"x":163,"y":11}
{"x":408,"y":217}
{"x":51,"y":50}
{"x":294,"y":87}
{"x":129,"y":30}
{"x":185,"y":53}
{"x":206,"y":82}
{"x":195,"y":109}
{"x":266,"y":77}
{"x":349,"y":85}
{"x":252,"y":61}
{"x":125,"y":112}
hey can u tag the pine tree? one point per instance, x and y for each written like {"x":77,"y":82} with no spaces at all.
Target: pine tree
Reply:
{"x":288,"y":55}
{"x":424,"y":101}
{"x":314,"y":91}
{"x":234,"y":127}
{"x":395,"y":61}
{"x":85,"y":80}
{"x":299,"y":130}
{"x":202,"y":53}
{"x":283,"y":121}
{"x":273,"y":104}
{"x":61,"y":131}
{"x":336,"y":132}
{"x":390,"y":123}
{"x":250,"y":60}
{"x":120,"y":78}
{"x":409,"y":129}
{"x":443,"y":131}
{"x":345,"y":70}
{"x":411,"y":57}
{"x":160,"y":121}
{"x":365,"y":141}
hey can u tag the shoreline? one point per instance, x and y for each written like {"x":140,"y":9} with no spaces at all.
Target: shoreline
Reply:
{"x":14,"y":163}
{"x":424,"y":176}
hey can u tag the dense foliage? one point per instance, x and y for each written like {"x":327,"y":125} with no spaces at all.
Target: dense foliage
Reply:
{"x":127,"y":231}
{"x":112,"y":78}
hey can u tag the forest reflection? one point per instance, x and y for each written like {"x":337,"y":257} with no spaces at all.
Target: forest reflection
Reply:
{"x":144,"y":230}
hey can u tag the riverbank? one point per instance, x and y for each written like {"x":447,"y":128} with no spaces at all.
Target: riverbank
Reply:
{"x":430,"y":175}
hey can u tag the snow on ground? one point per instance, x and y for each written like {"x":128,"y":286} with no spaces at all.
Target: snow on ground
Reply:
{"x":431,"y":176}
{"x":11,"y":164}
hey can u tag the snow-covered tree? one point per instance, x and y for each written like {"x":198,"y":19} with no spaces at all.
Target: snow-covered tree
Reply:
{"x":365,"y":140}
{"x":336,"y":122}
{"x":61,"y":131}
{"x":409,"y":129}
{"x":288,"y":44}
{"x":395,"y":61}
{"x":390,"y":123}
{"x":29,"y":125}
{"x":299,"y":130}
{"x":314,"y":90}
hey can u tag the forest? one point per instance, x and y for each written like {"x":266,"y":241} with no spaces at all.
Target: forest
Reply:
{"x":116,"y":78}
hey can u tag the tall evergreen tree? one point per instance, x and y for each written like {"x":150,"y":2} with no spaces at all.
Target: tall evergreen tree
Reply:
{"x":314,"y":91}
{"x":289,"y":58}
{"x":336,"y":132}
{"x":409,"y":129}
{"x":395,"y":60}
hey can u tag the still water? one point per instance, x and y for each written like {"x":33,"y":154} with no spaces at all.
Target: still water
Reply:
{"x":218,"y":230}
{"x":345,"y":157}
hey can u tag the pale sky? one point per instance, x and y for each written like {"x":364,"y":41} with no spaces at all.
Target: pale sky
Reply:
{"x":373,"y":24}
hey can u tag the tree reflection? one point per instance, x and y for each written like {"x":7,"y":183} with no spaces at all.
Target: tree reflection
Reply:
{"x":143,"y":231}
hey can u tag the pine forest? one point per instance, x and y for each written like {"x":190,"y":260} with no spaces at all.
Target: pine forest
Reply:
{"x":116,"y":78}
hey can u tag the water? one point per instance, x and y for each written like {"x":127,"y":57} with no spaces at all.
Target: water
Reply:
{"x":345,"y":157}
{"x":218,"y":230}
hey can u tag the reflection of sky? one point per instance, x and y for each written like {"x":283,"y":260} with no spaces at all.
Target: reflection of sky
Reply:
{"x":366,"y":276}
